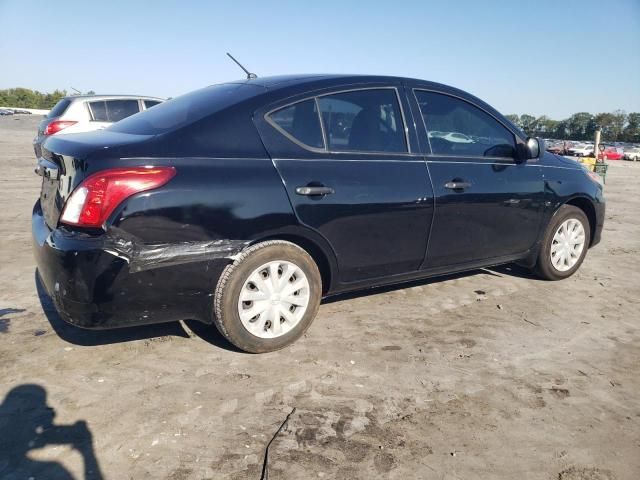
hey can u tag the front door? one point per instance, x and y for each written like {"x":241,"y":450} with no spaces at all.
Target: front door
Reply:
{"x":353,"y":178}
{"x":487,"y":204}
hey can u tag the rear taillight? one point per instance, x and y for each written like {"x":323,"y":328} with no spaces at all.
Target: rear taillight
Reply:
{"x":97,"y":196}
{"x":57,"y":125}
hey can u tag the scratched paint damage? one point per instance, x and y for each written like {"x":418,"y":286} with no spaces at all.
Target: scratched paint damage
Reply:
{"x":141,"y":257}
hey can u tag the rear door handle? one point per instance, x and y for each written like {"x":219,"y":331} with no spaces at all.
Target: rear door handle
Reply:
{"x":311,"y":191}
{"x":457,"y":185}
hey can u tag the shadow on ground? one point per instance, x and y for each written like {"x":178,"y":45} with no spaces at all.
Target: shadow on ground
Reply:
{"x":26,"y":423}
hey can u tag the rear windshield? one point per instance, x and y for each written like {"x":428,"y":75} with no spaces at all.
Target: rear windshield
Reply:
{"x":59,"y":108}
{"x":186,"y":109}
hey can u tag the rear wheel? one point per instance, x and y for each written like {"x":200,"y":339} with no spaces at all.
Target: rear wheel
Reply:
{"x":268,"y":297}
{"x":564,"y":245}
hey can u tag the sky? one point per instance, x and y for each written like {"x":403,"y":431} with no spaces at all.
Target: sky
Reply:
{"x":542,"y":57}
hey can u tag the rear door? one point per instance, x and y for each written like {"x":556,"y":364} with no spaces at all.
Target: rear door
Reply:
{"x":352,"y":172}
{"x":487,"y":205}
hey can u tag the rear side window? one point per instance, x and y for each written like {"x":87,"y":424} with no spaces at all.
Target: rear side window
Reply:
{"x":98,"y":111}
{"x":300,"y":122}
{"x":456,"y":127}
{"x":120,"y":109}
{"x":363,"y":121}
{"x":150,"y":103}
{"x":113,"y":110}
{"x":59,"y":108}
{"x":186,"y":109}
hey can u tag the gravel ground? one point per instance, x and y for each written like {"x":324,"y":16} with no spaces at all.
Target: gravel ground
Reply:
{"x":491,"y":374}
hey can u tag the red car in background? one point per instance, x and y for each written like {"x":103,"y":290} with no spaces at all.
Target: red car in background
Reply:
{"x":611,"y":153}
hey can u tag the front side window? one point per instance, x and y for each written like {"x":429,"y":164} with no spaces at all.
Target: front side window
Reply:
{"x":456,"y":127}
{"x":300,"y":122}
{"x":363,"y":121}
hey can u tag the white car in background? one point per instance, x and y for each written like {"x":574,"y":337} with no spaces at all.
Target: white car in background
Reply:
{"x":581,"y":150}
{"x":454,"y":137}
{"x":632,"y":154}
{"x":86,"y":113}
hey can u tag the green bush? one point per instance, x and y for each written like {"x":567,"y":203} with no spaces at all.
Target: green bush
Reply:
{"x":26,"y":98}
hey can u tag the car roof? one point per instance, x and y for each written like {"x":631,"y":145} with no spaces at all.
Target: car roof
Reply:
{"x":279,"y":81}
{"x":110,"y":97}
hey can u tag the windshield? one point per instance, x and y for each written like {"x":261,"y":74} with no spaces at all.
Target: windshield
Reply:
{"x":186,"y":109}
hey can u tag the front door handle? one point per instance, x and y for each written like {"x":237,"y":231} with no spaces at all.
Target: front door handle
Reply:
{"x":311,"y":191}
{"x":457,"y":185}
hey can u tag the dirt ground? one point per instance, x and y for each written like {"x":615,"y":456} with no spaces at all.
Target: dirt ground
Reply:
{"x":492,"y":374}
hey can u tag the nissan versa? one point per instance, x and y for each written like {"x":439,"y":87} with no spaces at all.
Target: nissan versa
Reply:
{"x":243,"y":204}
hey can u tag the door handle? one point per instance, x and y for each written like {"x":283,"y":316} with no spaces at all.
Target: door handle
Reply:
{"x":457,"y":185}
{"x":311,"y":191}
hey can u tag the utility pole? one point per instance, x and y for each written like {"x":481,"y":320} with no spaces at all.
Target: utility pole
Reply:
{"x":596,"y":145}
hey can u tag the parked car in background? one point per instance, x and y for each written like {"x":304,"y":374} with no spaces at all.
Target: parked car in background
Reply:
{"x":86,"y":113}
{"x":241,"y":205}
{"x":559,"y":148}
{"x":632,"y":154}
{"x":611,"y":153}
{"x":21,"y":112}
{"x":6,"y":111}
{"x":582,"y":151}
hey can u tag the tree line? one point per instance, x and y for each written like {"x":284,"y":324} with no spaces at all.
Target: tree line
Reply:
{"x":616,"y":126}
{"x":26,"y":98}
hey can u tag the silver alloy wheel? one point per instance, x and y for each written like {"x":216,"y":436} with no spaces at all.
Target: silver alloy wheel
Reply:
{"x":273,"y":299}
{"x":567,"y":244}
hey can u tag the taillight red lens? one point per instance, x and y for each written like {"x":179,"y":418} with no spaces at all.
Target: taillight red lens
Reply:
{"x":98,"y":196}
{"x":57,"y":125}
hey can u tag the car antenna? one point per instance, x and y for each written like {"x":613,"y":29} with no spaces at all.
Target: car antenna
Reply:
{"x":250,"y":76}
{"x":78,"y":92}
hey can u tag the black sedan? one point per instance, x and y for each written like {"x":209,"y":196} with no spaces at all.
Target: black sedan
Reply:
{"x":243,"y":204}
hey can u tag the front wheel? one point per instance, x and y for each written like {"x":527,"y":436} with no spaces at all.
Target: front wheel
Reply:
{"x":268,"y":297}
{"x":564,"y":245}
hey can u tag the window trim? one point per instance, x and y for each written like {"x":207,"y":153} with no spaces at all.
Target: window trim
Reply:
{"x":326,"y":149}
{"x":270,"y":121}
{"x":431,"y":154}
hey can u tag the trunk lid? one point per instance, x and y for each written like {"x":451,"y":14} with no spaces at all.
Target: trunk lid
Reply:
{"x":67,"y":160}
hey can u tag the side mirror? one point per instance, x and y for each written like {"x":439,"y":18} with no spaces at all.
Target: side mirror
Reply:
{"x":533,"y":148}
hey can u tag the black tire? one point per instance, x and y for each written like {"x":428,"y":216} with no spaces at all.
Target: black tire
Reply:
{"x":225,"y":315}
{"x":544,"y":267}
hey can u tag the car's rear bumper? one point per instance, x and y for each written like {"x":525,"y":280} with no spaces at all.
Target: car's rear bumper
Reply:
{"x":93,"y":288}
